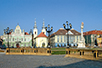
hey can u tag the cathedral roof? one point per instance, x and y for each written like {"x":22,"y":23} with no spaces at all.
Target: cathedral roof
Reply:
{"x":41,"y":35}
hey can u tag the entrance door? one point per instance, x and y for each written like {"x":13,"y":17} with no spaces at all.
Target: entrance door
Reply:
{"x":43,"y":44}
{"x":17,"y":45}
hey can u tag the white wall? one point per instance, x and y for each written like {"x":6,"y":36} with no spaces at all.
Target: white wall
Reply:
{"x":41,"y":40}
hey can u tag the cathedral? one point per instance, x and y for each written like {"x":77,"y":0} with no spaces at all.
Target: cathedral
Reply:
{"x":19,"y":38}
{"x":41,"y":39}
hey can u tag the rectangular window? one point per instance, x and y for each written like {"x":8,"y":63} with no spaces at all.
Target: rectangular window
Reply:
{"x":13,"y":44}
{"x":61,"y":38}
{"x":13,"y":39}
{"x":64,"y":38}
{"x":77,"y":38}
{"x":25,"y":45}
{"x":72,"y":39}
{"x":28,"y":44}
{"x":10,"y":39}
{"x":57,"y":38}
{"x":28,"y":39}
{"x":21,"y":39}
{"x":25,"y":39}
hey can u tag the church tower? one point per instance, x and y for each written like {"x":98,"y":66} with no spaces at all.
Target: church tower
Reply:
{"x":35,"y":30}
{"x":43,"y":28}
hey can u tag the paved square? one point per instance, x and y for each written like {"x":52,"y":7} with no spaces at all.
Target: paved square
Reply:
{"x":54,"y":61}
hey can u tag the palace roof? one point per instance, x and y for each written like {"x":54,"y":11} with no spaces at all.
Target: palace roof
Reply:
{"x":62,"y":31}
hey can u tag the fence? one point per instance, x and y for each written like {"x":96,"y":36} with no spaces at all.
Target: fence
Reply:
{"x":84,"y":53}
{"x":2,"y":51}
{"x":28,"y":51}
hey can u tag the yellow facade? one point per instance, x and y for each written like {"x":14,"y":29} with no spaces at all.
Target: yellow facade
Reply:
{"x":99,"y":40}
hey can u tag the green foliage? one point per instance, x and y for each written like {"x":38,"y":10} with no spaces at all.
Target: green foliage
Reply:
{"x":58,"y":52}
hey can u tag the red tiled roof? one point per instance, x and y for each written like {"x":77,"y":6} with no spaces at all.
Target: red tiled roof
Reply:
{"x":41,"y":35}
{"x":61,"y":32}
{"x":93,"y":32}
{"x":26,"y":33}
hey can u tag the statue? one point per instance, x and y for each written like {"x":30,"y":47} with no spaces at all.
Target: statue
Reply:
{"x":81,"y":44}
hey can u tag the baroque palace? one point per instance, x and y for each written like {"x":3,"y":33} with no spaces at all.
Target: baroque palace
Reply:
{"x":59,"y":38}
{"x":19,"y":38}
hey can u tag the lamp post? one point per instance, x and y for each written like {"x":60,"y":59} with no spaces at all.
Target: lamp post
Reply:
{"x":32,"y":36}
{"x":69,"y":26}
{"x":8,"y":31}
{"x":48,"y":29}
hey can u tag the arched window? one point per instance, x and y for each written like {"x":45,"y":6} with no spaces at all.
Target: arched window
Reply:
{"x":35,"y":32}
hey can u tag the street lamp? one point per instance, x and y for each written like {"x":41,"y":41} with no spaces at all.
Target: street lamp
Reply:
{"x":31,"y":32}
{"x":48,"y":29}
{"x":69,"y":26}
{"x":8,"y":31}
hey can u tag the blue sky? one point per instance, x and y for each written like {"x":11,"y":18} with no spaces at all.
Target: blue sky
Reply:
{"x":54,"y":12}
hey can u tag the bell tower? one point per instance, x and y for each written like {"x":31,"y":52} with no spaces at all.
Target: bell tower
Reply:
{"x":43,"y":28}
{"x":35,"y":30}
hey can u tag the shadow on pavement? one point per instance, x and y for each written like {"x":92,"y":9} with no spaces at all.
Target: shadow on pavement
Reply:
{"x":81,"y":64}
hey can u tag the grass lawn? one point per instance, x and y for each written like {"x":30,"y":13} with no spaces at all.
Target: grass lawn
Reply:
{"x":58,"y":51}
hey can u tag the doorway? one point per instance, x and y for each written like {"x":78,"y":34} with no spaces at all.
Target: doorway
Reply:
{"x":17,"y":45}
